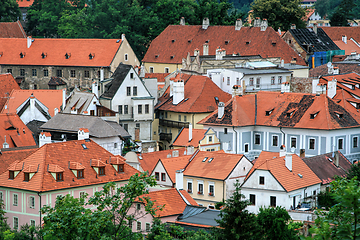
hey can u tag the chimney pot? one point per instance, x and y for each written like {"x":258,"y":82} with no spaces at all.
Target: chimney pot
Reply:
{"x":238,"y":25}
{"x":288,"y":161}
{"x":190,"y":132}
{"x":206,"y":23}
{"x":221,"y":109}
{"x":205,"y":49}
{"x":182,"y":21}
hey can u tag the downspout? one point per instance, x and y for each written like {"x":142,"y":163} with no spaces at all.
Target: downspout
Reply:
{"x":40,"y":209}
{"x":283,"y":135}
{"x":236,"y":133}
{"x":223,"y":191}
{"x":193,"y":120}
{"x":255,"y":108}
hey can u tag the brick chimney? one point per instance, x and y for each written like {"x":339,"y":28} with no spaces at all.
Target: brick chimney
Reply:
{"x":95,"y":89}
{"x":83,"y":133}
{"x":206,"y":23}
{"x":196,"y":52}
{"x":29,"y":41}
{"x":238,"y":25}
{"x":293,"y":26}
{"x":320,"y":89}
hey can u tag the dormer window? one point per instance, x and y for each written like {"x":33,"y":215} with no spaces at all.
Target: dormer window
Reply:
{"x":11,"y":175}
{"x":26,"y":177}
{"x":56,"y":172}
{"x":339,"y":114}
{"x":248,"y":42}
{"x":67,"y":56}
{"x":227,"y":42}
{"x":267,"y":113}
{"x":101,"y":171}
{"x":43,"y":55}
{"x":120,"y":168}
{"x":118,"y":164}
{"x":80,"y":173}
{"x":313,"y":115}
{"x":290,"y":113}
{"x":91,"y":55}
{"x":211,"y":160}
{"x":59,"y":176}
{"x":22,"y":55}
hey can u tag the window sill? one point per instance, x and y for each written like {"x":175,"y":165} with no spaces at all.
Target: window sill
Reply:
{"x":199,"y":193}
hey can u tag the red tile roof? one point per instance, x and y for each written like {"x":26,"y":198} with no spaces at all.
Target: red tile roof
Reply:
{"x":7,"y":83}
{"x":12,"y":30}
{"x":349,"y":47}
{"x":240,"y":111}
{"x":171,"y":165}
{"x":59,"y":154}
{"x":336,"y":33}
{"x":160,"y":76}
{"x":16,"y":132}
{"x":55,"y":49}
{"x":218,"y":168}
{"x":344,"y":67}
{"x":182,"y":139}
{"x":290,"y":181}
{"x":309,"y":12}
{"x":173,"y":203}
{"x":25,"y":3}
{"x":149,"y":160}
{"x":173,"y":44}
{"x":50,"y":98}
{"x":188,"y":197}
{"x":199,"y":95}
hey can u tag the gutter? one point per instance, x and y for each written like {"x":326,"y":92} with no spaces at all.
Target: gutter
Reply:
{"x":255,"y":108}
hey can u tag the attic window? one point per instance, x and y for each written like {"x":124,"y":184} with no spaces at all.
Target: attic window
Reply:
{"x":227,"y":42}
{"x":300,"y":175}
{"x":26,"y":177}
{"x":267,"y":113}
{"x":189,"y":41}
{"x":273,"y":43}
{"x":84,"y":146}
{"x":207,"y":41}
{"x":339,"y":114}
{"x":205,"y":158}
{"x":313,"y":115}
{"x":91,"y":55}
{"x":11,"y":174}
{"x":120,"y":168}
{"x":59,"y":176}
{"x":211,"y":160}
{"x":22,"y":55}
{"x":80,"y":173}
{"x":156,"y":56}
{"x":43,"y":55}
{"x":353,"y":87}
{"x":171,"y":57}
{"x":290,"y":113}
{"x":173,"y":40}
{"x":67,"y":56}
{"x":248,"y":42}
{"x":101,"y":171}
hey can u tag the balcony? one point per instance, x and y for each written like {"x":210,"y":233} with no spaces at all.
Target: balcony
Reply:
{"x":165,"y":137}
{"x":263,"y":87}
{"x":173,"y":124}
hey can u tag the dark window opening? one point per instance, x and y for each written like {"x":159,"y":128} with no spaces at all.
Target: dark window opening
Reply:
{"x":80,"y":174}
{"x":26,"y":177}
{"x":261,"y":180}
{"x":59,"y":177}
{"x":252,"y":199}
{"x":121,"y":168}
{"x":163,"y":177}
{"x":101,"y":171}
{"x":157,"y":176}
{"x":272,"y":201}
{"x":11,"y":175}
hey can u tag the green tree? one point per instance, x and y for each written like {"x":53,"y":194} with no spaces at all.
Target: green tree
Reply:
{"x":343,"y":13}
{"x":280,"y":13}
{"x":274,"y":223}
{"x":353,"y":172}
{"x":235,"y":221}
{"x":9,"y":11}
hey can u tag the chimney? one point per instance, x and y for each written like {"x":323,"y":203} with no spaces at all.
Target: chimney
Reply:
{"x":315,"y":28}
{"x":332,"y":88}
{"x":320,"y":89}
{"x":189,"y":150}
{"x":190,"y":132}
{"x":282,"y":63}
{"x":293,"y":26}
{"x":237,"y":90}
{"x":302,"y":153}
{"x":221,"y":109}
{"x":179,"y":178}
{"x":220,"y":53}
{"x":44,"y":138}
{"x":288,"y":161}
{"x":344,"y":39}
{"x":122,"y":37}
{"x":94,"y":89}
{"x":142,"y":71}
{"x":263,"y":25}
{"x":29,"y":41}
{"x":178,"y":91}
{"x":293,"y":61}
{"x":336,"y":70}
{"x":63,"y":99}
{"x":150,"y":149}
{"x":238,"y":25}
{"x":257,"y":22}
{"x":285,"y":87}
{"x":83,"y":133}
{"x":205,"y":49}
{"x":101,"y":74}
{"x":32,"y":107}
{"x":196,"y":52}
{"x":56,"y":111}
{"x":73,"y":110}
{"x":171,"y":82}
{"x":336,"y":158}
{"x":5,"y":144}
{"x":206,"y":23}
{"x":279,"y":31}
{"x":315,"y":82}
{"x":282,"y":151}
{"x":182,"y":21}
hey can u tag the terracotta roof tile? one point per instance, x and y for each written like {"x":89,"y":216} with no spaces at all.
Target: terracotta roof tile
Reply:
{"x":344,"y":67}
{"x":173,"y":164}
{"x":290,"y":181}
{"x":7,"y":83}
{"x":149,"y":160}
{"x":173,"y":203}
{"x":188,"y":198}
{"x":97,"y":163}
{"x":12,"y":30}
{"x":174,"y":41}
{"x":76,"y":166}
{"x":13,"y":156}
{"x":55,"y":49}
{"x":219,"y":167}
{"x":183,"y":137}
{"x":59,"y":154}
{"x":16,"y":132}
{"x":25,"y":3}
{"x":16,"y":166}
{"x":50,"y":98}
{"x":199,"y":95}
{"x":349,"y":47}
{"x":240,"y":111}
{"x":30,"y":168}
{"x":159,"y":76}
{"x":55,"y":168}
{"x":336,"y":33}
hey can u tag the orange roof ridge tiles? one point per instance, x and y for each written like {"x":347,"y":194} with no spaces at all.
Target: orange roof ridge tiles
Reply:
{"x":242,"y":109}
{"x":162,"y":47}
{"x":56,"y":48}
{"x":289,"y":180}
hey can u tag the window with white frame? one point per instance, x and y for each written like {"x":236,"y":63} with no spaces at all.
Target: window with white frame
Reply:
{"x":272,"y":80}
{"x":257,"y":139}
{"x":275,"y":140}
{"x":16,"y":223}
{"x":237,"y":81}
{"x":279,"y":79}
{"x":246,"y":147}
{"x":126,"y":57}
{"x":166,"y":70}
{"x":251,"y":82}
{"x":32,"y":223}
{"x":293,"y":142}
{"x":211,"y":189}
{"x":200,"y":187}
{"x":228,"y":80}
{"x":147,"y":227}
{"x":355,"y":142}
{"x":151,"y":69}
{"x":189,"y":186}
{"x":340,"y":143}
{"x":1,"y":196}
{"x":311,"y":143}
{"x":138,"y":226}
{"x":15,"y":199}
{"x":32,"y":202}
{"x":81,"y":194}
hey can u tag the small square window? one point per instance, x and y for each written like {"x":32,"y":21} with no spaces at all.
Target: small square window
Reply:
{"x":11,"y":175}
{"x":86,"y":74}
{"x":137,"y":125}
{"x":151,"y":69}
{"x":252,"y":199}
{"x":261,"y":180}
{"x":32,"y":223}
{"x":157,"y":176}
{"x":163,"y":177}
{"x":166,"y":70}
{"x":9,"y":70}
{"x":101,"y":171}
{"x":128,"y":91}
{"x":72,"y":73}
{"x":82,"y":194}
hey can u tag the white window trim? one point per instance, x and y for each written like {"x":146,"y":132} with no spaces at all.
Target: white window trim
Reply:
{"x":296,"y":143}
{"x":211,"y":184}
{"x":248,"y":147}
{"x":342,"y":143}
{"x":314,"y":143}
{"x":126,"y":57}
{"x":272,"y":140}
{"x":357,"y":142}
{"x":257,"y":134}
{"x":198,"y":183}
{"x":17,"y":222}
{"x":30,"y":202}
{"x":147,"y":224}
{"x":192,"y":185}
{"x":151,"y":67}
{"x":17,"y":199}
{"x":168,"y":70}
{"x":33,"y":221}
{"x":137,"y":224}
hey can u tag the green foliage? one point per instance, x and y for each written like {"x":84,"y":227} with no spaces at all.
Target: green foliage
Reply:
{"x":236,"y":222}
{"x":9,"y":11}
{"x":326,"y":200}
{"x":280,"y":13}
{"x":273,"y":223}
{"x":354,"y":172}
{"x":342,"y":13}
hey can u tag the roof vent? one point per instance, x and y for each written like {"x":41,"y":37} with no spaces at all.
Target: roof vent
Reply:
{"x":22,"y":55}
{"x":44,"y":55}
{"x":301,"y":176}
{"x":173,"y":40}
{"x":156,"y":56}
{"x":117,"y":41}
{"x":313,"y":115}
{"x":248,"y":42}
{"x":227,"y":42}
{"x":1,"y":53}
{"x":67,"y":55}
{"x":189,"y":41}
{"x":273,"y":43}
{"x":172,"y":57}
{"x":267,"y":113}
{"x":207,"y":41}
{"x":339,"y":114}
{"x":91,"y":55}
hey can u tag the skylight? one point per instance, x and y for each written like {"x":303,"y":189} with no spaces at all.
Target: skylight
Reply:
{"x":205,"y":158}
{"x":300,"y":175}
{"x":84,"y":146}
{"x":211,"y":160}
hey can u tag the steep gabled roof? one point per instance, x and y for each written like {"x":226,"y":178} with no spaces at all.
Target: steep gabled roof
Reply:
{"x":119,"y":76}
{"x":219,"y":167}
{"x":7,"y":83}
{"x":12,"y":30}
{"x":159,"y":76}
{"x":284,"y":110}
{"x":323,"y":166}
{"x":317,"y":42}
{"x":98,"y":127}
{"x":349,"y":47}
{"x":174,"y":43}
{"x":182,"y":140}
{"x":7,"y":157}
{"x":199,"y":96}
{"x":289,"y":180}
{"x":15,"y":131}
{"x":336,"y":33}
{"x":50,"y":98}
{"x":52,"y":51}
{"x":78,"y":100}
{"x":42,"y":161}
{"x":171,"y":165}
